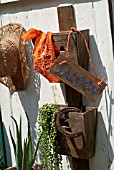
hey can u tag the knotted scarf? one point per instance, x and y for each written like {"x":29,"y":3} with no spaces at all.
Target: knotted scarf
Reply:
{"x":44,"y":52}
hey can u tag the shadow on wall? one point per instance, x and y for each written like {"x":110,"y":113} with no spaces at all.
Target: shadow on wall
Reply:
{"x":30,"y":97}
{"x":98,"y":65}
{"x":6,"y":147}
{"x":109,"y":103}
{"x":34,"y":4}
{"x":103,"y":154}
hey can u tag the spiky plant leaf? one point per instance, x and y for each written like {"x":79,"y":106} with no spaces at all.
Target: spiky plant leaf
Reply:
{"x":20,"y":142}
{"x":35,"y":153}
{"x":29,"y":150}
{"x":29,"y":129}
{"x":25,"y":165}
{"x":24,"y":158}
{"x":29,"y":145}
{"x":18,"y":146}
{"x":13,"y":142}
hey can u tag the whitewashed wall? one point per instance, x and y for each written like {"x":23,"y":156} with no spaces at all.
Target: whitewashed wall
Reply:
{"x":42,"y":14}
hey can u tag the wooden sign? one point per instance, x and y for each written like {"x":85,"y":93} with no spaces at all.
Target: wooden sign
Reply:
{"x":77,"y":77}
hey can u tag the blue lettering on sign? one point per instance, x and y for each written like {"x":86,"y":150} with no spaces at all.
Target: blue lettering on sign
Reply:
{"x":77,"y":79}
{"x":69,"y":78}
{"x":66,"y":74}
{"x":93,"y":87}
{"x":61,"y":66}
{"x":73,"y":75}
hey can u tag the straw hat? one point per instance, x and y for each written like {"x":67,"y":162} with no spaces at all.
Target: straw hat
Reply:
{"x":14,"y":70}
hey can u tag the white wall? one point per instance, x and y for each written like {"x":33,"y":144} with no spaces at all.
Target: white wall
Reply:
{"x":92,"y":15}
{"x":7,"y":1}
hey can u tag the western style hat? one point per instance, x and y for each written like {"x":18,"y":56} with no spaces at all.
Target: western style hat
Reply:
{"x":14,"y":70}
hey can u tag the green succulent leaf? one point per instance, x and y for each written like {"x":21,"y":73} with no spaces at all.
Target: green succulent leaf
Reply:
{"x":29,"y":128}
{"x":29,"y":151}
{"x":24,"y":155}
{"x":13,"y":142}
{"x":18,"y":146}
{"x":35,"y":153}
{"x":25,"y":165}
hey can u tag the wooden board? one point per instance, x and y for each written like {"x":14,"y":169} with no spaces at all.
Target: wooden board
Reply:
{"x":66,"y":18}
{"x":85,"y":122}
{"x":77,"y":48}
{"x":77,"y":78}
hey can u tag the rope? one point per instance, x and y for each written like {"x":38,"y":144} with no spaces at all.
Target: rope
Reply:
{"x":88,"y":51}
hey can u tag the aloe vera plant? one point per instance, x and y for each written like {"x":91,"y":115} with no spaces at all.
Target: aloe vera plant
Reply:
{"x":24,"y":155}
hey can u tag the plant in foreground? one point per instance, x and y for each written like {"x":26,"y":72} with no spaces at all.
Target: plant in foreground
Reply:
{"x":48,"y":136}
{"x":2,"y":165}
{"x":23,"y":154}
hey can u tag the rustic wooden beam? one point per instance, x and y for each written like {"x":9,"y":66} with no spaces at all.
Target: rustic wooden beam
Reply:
{"x":66,"y":18}
{"x":80,"y":164}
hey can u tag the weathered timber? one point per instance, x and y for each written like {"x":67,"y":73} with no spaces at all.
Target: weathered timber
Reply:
{"x":73,"y":98}
{"x":66,"y":21}
{"x":80,"y":164}
{"x":78,"y":54}
{"x":78,"y":131}
{"x":77,"y":77}
{"x":66,"y":18}
{"x":77,"y":49}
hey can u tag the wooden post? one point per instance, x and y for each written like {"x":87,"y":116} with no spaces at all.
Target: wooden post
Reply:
{"x":66,"y":20}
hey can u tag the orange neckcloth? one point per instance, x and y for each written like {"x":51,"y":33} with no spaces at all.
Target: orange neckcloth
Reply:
{"x":43,"y":53}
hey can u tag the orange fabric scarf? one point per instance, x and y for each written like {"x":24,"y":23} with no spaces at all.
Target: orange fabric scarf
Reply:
{"x":43,"y":53}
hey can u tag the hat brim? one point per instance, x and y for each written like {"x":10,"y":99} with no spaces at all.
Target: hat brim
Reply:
{"x":18,"y":80}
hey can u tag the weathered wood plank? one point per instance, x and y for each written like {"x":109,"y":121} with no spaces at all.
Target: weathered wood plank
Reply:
{"x":73,"y":98}
{"x":77,"y":78}
{"x":66,"y":18}
{"x":80,"y":164}
{"x":77,"y":48}
{"x":73,"y":123}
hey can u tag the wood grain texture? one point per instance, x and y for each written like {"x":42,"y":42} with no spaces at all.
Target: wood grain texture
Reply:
{"x":77,"y":78}
{"x":77,"y":49}
{"x":83,"y":146}
{"x":66,"y":18}
{"x":75,"y":98}
{"x":80,"y":164}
